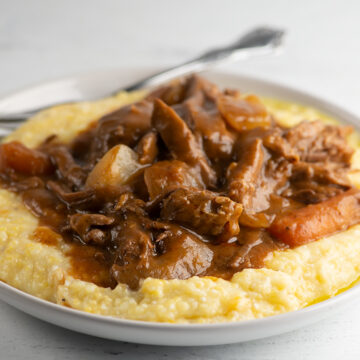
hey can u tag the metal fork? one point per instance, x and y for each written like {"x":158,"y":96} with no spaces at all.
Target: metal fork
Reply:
{"x":259,"y":41}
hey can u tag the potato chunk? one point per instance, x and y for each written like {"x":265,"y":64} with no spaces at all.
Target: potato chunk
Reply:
{"x":114,"y":169}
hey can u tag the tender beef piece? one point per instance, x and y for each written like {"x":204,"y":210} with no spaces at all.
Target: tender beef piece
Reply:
{"x":244,"y":113}
{"x":133,"y":253}
{"x":33,"y":182}
{"x":203,"y":211}
{"x":311,"y":142}
{"x":199,"y":111}
{"x":127,"y":202}
{"x":181,"y":141}
{"x":244,"y":175}
{"x":165,"y":176}
{"x":196,"y":87}
{"x":320,"y":158}
{"x":257,"y":175}
{"x":314,"y":221}
{"x":311,"y":192}
{"x":70,"y":171}
{"x":180,"y":254}
{"x":133,"y":243}
{"x":217,"y":139}
{"x":275,"y":141}
{"x":147,"y":148}
{"x":72,"y":199}
{"x":327,"y":173}
{"x":124,"y":126}
{"x":319,"y":142}
{"x":170,"y":94}
{"x":17,"y":157}
{"x":44,"y":204}
{"x":86,"y":226}
{"x":180,"y":90}
{"x":313,"y":182}
{"x":272,"y":181}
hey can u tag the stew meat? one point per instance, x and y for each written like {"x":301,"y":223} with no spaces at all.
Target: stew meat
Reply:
{"x":190,"y":181}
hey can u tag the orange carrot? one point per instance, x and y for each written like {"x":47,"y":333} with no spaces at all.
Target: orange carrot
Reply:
{"x":314,"y":221}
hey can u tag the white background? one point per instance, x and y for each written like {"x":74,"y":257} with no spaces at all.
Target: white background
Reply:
{"x":43,"y":40}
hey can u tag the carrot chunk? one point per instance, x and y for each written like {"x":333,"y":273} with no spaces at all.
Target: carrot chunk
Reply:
{"x":314,"y":221}
{"x":18,"y":157}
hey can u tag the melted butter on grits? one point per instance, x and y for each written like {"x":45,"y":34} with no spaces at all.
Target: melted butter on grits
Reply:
{"x":291,"y":279}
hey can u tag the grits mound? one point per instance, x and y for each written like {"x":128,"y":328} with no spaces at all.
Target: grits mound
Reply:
{"x":291,"y":279}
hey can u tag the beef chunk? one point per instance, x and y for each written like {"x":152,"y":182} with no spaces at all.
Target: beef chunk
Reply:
{"x":181,"y":141}
{"x":313,"y":183}
{"x":320,"y":158}
{"x":124,"y":126}
{"x":245,"y":174}
{"x":207,"y":121}
{"x":86,"y":226}
{"x":199,"y":110}
{"x":203,"y":211}
{"x":72,"y":173}
{"x":316,"y":141}
{"x":70,"y":198}
{"x":312,"y":142}
{"x":165,"y":176}
{"x":179,"y":254}
{"x":147,"y":148}
{"x":275,"y":141}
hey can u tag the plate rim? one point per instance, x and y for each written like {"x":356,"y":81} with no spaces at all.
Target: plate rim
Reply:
{"x":181,"y":326}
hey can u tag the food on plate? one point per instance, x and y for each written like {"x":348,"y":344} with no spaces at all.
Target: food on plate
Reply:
{"x":187,"y":204}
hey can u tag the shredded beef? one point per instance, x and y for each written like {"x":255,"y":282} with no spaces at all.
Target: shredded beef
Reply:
{"x":86,"y":226}
{"x":203,"y":211}
{"x":181,"y":141}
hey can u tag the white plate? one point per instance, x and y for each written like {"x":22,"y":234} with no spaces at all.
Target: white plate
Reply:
{"x":96,"y":84}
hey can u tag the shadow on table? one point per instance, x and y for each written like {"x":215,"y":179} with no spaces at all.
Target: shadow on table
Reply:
{"x":44,"y":338}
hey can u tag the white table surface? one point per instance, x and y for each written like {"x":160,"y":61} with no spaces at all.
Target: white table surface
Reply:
{"x":43,"y":40}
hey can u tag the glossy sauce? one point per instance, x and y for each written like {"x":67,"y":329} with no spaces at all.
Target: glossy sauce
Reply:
{"x":214,"y":172}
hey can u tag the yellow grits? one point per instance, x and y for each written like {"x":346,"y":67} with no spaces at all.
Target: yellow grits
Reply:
{"x":291,"y":280}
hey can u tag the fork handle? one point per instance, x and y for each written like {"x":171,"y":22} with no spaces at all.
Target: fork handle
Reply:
{"x":259,"y":41}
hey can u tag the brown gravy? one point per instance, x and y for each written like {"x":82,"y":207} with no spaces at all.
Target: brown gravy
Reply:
{"x":216,"y":171}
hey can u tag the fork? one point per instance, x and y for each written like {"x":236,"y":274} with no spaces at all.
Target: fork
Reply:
{"x":259,"y":41}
